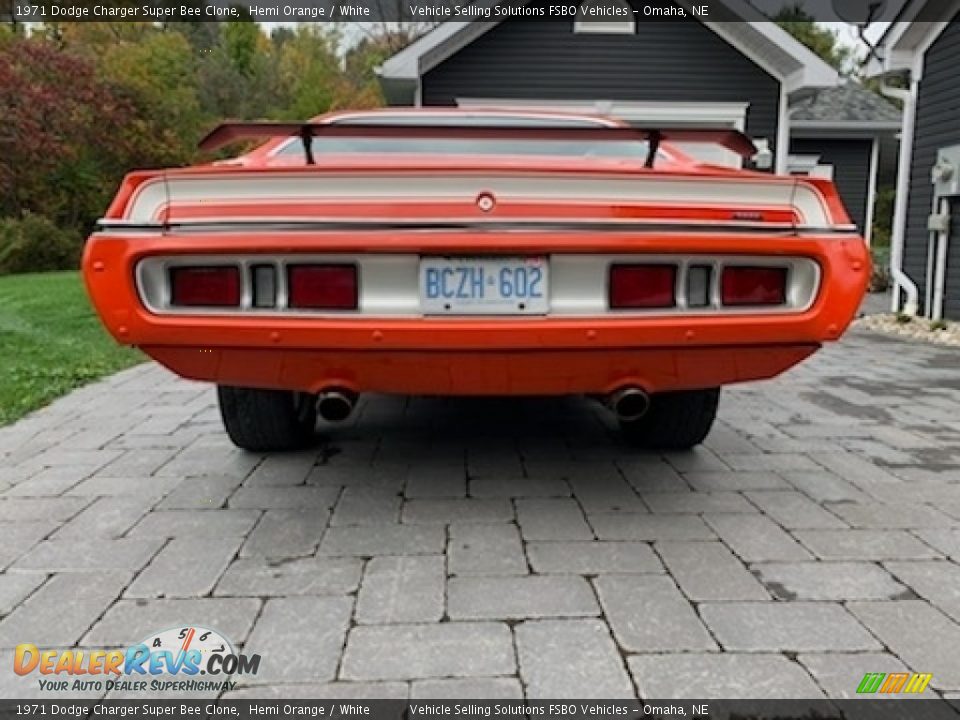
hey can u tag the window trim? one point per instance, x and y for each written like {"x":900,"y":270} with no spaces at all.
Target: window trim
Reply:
{"x":606,"y":27}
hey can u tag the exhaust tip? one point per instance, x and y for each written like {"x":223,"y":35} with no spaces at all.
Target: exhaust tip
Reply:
{"x":629,"y":403}
{"x":335,"y":406}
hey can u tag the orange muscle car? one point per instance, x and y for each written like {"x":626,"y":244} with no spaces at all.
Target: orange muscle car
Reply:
{"x":449,"y":252}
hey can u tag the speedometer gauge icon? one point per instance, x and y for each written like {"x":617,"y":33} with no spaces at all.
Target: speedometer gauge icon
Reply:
{"x":180,"y":640}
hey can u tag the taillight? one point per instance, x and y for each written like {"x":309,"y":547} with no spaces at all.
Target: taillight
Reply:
{"x":205,"y":286}
{"x":643,"y":286}
{"x":322,"y":287}
{"x":751,"y":285}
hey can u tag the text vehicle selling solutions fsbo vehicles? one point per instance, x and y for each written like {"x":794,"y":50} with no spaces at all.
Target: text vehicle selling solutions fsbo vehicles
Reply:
{"x":473,"y":253}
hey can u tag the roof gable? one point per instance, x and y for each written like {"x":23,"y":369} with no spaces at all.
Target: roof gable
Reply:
{"x":916,"y":27}
{"x":736,"y":21}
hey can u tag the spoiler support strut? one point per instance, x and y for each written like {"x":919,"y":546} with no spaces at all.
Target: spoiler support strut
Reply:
{"x":653,"y":140}
{"x":231,"y":132}
{"x":306,"y":136}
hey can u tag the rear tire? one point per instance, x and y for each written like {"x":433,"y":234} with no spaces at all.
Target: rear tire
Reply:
{"x":675,"y":420}
{"x":267,"y":420}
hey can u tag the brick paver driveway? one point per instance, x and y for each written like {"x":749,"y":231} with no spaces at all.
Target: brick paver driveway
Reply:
{"x":495,"y":548}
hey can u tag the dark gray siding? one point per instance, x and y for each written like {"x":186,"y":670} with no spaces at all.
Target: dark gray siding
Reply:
{"x":951,"y":301}
{"x":664,"y":60}
{"x":938,"y":124}
{"x":851,"y":169}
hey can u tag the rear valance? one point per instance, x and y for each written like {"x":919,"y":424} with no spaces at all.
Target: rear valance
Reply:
{"x":230,"y":132}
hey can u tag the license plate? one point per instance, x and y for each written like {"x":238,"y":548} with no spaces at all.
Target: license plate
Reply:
{"x":484,"y":286}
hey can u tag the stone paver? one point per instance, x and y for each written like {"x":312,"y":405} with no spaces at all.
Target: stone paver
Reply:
{"x":828,"y":581}
{"x":552,"y":519}
{"x":258,"y":577}
{"x":756,"y":538}
{"x":467,"y":689}
{"x":15,"y":588}
{"x":920,"y":635}
{"x":709,"y":571}
{"x":443,"y":511}
{"x":485,"y":550}
{"x":60,"y":612}
{"x":865,"y":545}
{"x":300,"y":638}
{"x":839,"y":674}
{"x":715,"y":676}
{"x":507,"y":548}
{"x":129,"y":621}
{"x":936,"y":581}
{"x":90,"y":553}
{"x":109,"y":517}
{"x":387,"y":652}
{"x":19,"y":538}
{"x":649,"y":527}
{"x":185,"y":568}
{"x":592,"y":558}
{"x":791,"y":627}
{"x":366,"y":506}
{"x":286,"y":533}
{"x":402,"y":590}
{"x":193,"y":524}
{"x":648,"y":614}
{"x":383,"y":540}
{"x":793,"y":510}
{"x":531,"y":596}
{"x":545,"y":645}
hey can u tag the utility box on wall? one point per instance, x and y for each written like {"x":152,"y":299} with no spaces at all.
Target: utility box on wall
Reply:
{"x":945,"y":174}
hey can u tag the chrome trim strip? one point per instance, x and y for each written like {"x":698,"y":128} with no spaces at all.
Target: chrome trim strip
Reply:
{"x":613,"y":225}
{"x":389,"y":285}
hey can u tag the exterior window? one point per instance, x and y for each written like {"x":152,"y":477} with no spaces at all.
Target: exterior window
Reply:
{"x":593,"y":13}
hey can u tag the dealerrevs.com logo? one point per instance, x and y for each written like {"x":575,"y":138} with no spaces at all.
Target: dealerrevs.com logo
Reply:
{"x":187,"y":658}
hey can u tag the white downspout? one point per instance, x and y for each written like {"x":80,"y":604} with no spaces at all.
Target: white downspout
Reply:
{"x":900,"y":279}
{"x":780,"y":166}
{"x":940,"y":268}
{"x":871,"y":190}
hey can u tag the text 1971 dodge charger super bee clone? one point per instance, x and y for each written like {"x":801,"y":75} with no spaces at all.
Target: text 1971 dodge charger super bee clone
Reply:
{"x":447,"y":252}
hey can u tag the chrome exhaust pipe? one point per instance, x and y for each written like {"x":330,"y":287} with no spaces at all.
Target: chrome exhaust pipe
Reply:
{"x":335,"y":405}
{"x":629,"y":403}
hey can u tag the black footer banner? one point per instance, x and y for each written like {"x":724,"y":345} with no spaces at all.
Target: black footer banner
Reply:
{"x":887,"y":709}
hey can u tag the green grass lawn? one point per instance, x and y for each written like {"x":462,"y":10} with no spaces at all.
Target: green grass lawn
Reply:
{"x":50,"y":341}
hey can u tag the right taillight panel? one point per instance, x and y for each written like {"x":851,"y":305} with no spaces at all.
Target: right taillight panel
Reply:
{"x":216,"y":286}
{"x":746,"y":285}
{"x":322,"y":286}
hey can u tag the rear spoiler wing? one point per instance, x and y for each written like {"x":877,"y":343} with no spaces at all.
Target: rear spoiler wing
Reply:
{"x":231,"y":132}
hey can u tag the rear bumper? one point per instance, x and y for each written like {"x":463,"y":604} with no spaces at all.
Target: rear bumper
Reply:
{"x":534,"y":372}
{"x":476,"y":355}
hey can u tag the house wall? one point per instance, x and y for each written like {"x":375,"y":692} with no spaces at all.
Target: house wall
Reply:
{"x":937,"y":125}
{"x":851,"y":169}
{"x":663,"y":61}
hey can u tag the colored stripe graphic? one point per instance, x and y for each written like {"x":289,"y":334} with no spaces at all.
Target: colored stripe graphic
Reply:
{"x":870,"y":683}
{"x":894,"y":682}
{"x":918,"y":683}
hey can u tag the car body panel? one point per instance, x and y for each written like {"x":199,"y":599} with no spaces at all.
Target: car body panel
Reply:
{"x":411,"y":206}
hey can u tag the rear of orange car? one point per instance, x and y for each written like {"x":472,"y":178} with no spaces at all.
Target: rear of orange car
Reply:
{"x":568,"y":266}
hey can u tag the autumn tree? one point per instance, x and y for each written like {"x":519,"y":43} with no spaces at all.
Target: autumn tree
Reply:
{"x":822,"y":41}
{"x":63,"y":142}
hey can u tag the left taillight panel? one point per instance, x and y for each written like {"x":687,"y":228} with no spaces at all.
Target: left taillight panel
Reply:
{"x":248,"y":284}
{"x":215,"y":286}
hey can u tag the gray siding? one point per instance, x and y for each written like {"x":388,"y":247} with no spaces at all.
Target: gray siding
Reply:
{"x":951,"y":303}
{"x":664,"y":60}
{"x":938,"y":124}
{"x":851,"y":169}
